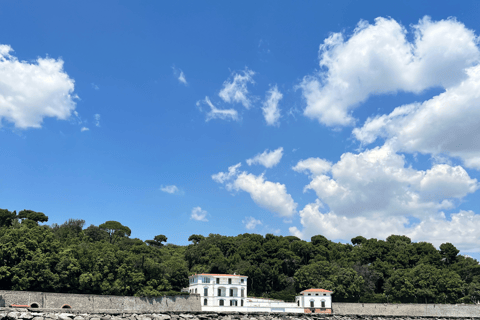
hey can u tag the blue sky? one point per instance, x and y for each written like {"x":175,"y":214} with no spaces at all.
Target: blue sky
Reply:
{"x":343,"y":119}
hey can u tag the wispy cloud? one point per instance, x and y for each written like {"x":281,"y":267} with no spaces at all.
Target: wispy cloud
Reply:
{"x":84,"y":129}
{"x":250,"y":223}
{"x":198,"y":214}
{"x":178,"y":73}
{"x":97,"y":120}
{"x":215,"y":113}
{"x":170,"y":189}
{"x":236,"y":89}
{"x":95,"y":87}
{"x":271,"y":112}
{"x":268,"y":159}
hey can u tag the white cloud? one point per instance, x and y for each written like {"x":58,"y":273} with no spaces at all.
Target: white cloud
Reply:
{"x":250,"y":223}
{"x":236,"y":90}
{"x":271,"y":112}
{"x":272,"y":196}
{"x":316,"y":166}
{"x":170,"y":189}
{"x":30,"y":92}
{"x":215,"y":113}
{"x":461,"y":229}
{"x":97,"y":120}
{"x":182,"y":78}
{"x":95,"y":87}
{"x":446,"y":125}
{"x":268,"y":159}
{"x":222,"y":177}
{"x":198,"y":214}
{"x":84,"y":129}
{"x":178,"y":73}
{"x":378,"y":59}
{"x":377,"y":183}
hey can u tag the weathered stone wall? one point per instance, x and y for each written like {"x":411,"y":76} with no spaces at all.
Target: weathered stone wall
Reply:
{"x":409,"y":310}
{"x":90,"y":302}
{"x":65,"y":314}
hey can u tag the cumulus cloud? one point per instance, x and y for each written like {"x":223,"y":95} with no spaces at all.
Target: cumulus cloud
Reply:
{"x":377,"y":183}
{"x":215,"y":113}
{"x":236,"y":89}
{"x":271,"y":112}
{"x":222,"y":177}
{"x":315,"y":166}
{"x":269,"y":195}
{"x":178,"y":73}
{"x":447,"y":124}
{"x":378,"y":59}
{"x":198,"y":214}
{"x":461,"y":229}
{"x":29,"y":92}
{"x":170,"y":189}
{"x":268,"y":159}
{"x":250,"y":223}
{"x":84,"y":129}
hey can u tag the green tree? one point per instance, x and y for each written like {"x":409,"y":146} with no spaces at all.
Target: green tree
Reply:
{"x":115,"y":230}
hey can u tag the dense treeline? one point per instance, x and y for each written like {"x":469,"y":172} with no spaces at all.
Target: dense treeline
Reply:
{"x":105,"y":260}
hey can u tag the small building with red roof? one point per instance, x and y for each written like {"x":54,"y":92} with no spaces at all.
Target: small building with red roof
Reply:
{"x":315,"y":301}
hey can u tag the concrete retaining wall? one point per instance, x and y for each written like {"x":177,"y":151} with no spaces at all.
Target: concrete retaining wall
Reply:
{"x":410,"y":310}
{"x":90,"y":302}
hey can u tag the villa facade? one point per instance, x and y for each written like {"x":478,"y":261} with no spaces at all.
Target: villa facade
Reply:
{"x":219,"y":290}
{"x":228,"y":292}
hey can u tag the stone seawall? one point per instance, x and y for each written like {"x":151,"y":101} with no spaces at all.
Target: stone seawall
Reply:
{"x":408,"y":310}
{"x":91,"y":303}
{"x":62,"y":314}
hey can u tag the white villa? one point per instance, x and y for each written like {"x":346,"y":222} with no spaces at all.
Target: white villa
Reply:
{"x":228,"y":292}
{"x":219,"y":290}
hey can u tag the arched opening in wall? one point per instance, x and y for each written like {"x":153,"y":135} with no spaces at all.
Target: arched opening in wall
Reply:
{"x":205,"y":301}
{"x":34,"y":305}
{"x":220,"y":303}
{"x":298,"y":303}
{"x":323,"y":303}
{"x":312,"y":304}
{"x":66,"y":306}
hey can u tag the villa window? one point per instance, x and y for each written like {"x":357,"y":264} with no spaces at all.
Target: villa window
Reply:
{"x":241,"y":303}
{"x":195,"y":290}
{"x":243,"y":292}
{"x":242,"y":281}
{"x":218,"y":280}
{"x":298,"y":303}
{"x":221,"y":303}
{"x":205,"y":280}
{"x":323,"y":303}
{"x":205,"y":302}
{"x":229,"y":281}
{"x":233,"y":303}
{"x":312,"y":304}
{"x":219,"y":292}
{"x":231,"y":292}
{"x":205,"y":292}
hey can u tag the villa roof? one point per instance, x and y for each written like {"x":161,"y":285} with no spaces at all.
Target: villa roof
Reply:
{"x":218,"y":275}
{"x":316,"y":290}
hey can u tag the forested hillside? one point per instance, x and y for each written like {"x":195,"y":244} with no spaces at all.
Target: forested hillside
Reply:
{"x":105,"y":260}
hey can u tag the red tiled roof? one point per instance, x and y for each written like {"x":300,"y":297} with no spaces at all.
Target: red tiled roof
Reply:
{"x":218,"y":274}
{"x":316,"y":290}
